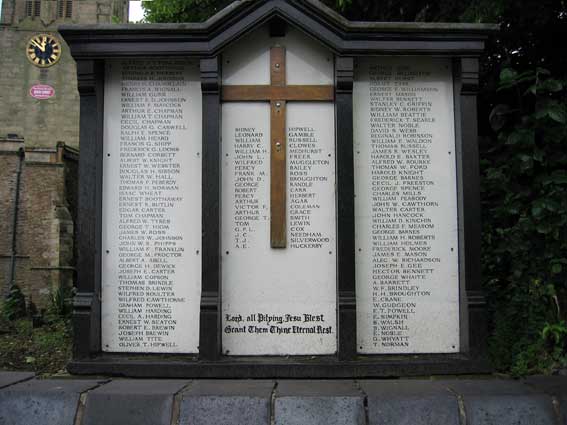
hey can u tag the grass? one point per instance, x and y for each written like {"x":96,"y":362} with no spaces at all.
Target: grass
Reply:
{"x":45,"y":349}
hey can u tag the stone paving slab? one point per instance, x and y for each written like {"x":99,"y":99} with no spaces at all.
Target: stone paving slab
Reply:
{"x":11,"y":378}
{"x":534,"y":401}
{"x":227,"y":402}
{"x":42,"y":401}
{"x":555,"y":386}
{"x":132,"y":401}
{"x":499,"y":402}
{"x":410,"y":402}
{"x":318,"y":402}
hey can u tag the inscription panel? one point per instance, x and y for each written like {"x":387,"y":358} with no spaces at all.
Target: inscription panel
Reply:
{"x":278,"y":301}
{"x":406,"y":229}
{"x":151,"y":241}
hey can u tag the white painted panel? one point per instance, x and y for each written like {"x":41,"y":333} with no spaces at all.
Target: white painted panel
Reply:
{"x":248,"y":62}
{"x":151,"y":238}
{"x":407,"y":283}
{"x":278,"y":301}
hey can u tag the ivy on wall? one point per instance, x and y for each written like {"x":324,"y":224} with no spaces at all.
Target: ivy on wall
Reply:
{"x":524,"y":204}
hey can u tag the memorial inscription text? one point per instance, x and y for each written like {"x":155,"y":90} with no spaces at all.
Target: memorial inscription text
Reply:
{"x":151,"y":270}
{"x":278,"y":298}
{"x":406,"y":228}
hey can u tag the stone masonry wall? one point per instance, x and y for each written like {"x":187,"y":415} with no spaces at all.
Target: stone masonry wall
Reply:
{"x":45,"y":250}
{"x":49,"y":131}
{"x":42,"y":123}
{"x":8,"y":168}
{"x":43,"y":197}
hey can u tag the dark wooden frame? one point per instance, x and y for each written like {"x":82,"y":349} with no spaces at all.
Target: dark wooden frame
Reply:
{"x":210,"y":318}
{"x":92,"y":45}
{"x":86,"y":313}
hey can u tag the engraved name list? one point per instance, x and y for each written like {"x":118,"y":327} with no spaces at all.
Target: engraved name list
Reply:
{"x":151,"y":207}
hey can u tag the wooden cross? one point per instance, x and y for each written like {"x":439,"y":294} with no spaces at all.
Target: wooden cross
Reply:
{"x":277,"y":93}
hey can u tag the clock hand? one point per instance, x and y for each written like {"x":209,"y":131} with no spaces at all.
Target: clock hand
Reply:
{"x":39,"y":46}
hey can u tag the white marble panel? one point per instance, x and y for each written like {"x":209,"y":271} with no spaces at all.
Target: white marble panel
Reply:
{"x":407,"y":282}
{"x":151,"y":237}
{"x":278,"y":301}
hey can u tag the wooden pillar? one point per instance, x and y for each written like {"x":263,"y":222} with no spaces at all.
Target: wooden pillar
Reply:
{"x":344,"y":76}
{"x":86,"y":305}
{"x":473,"y":304}
{"x":210,"y":327}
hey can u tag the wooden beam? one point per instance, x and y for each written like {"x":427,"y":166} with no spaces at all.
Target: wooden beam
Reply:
{"x":310,"y":93}
{"x":278,"y":163}
{"x":278,"y":174}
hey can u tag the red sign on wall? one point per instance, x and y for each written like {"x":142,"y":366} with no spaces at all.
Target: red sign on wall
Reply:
{"x":42,"y":91}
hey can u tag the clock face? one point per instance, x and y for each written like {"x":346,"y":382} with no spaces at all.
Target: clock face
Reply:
{"x":43,"y":50}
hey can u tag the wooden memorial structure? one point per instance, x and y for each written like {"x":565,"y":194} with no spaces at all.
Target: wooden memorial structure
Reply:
{"x":278,"y":192}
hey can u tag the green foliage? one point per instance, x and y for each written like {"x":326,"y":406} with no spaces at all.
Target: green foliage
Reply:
{"x":401,"y":10}
{"x":181,"y":10}
{"x":25,"y":345}
{"x":341,"y":5}
{"x":524,"y":186}
{"x":61,"y":304}
{"x":14,"y":306}
{"x":44,"y":350}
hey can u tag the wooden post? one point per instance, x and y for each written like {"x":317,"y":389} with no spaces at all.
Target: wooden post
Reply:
{"x":344,"y":71}
{"x":209,"y":329}
{"x":86,"y":304}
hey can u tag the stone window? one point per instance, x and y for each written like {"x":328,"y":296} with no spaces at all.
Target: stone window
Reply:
{"x":33,"y":8}
{"x":65,"y":9}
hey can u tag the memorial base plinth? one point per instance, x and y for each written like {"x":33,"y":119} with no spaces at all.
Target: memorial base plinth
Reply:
{"x":289,"y":367}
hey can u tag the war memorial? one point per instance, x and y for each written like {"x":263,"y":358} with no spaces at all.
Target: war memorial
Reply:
{"x":278,"y":192}
{"x":277,"y":208}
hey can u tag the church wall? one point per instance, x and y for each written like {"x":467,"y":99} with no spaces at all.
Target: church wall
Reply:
{"x":48,"y":129}
{"x":45,"y":225}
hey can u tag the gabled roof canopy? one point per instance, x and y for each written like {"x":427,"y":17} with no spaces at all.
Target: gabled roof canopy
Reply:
{"x":241,"y":17}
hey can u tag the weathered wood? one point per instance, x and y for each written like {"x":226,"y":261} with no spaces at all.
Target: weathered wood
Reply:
{"x":278,"y":184}
{"x":209,"y":336}
{"x":473,"y":303}
{"x":277,"y":66}
{"x":344,"y":78}
{"x":255,"y":93}
{"x":341,"y":36}
{"x":278,"y":163}
{"x":86,"y":305}
{"x":292,"y":367}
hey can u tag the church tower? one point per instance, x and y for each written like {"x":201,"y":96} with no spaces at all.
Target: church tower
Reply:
{"x":39,"y":141}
